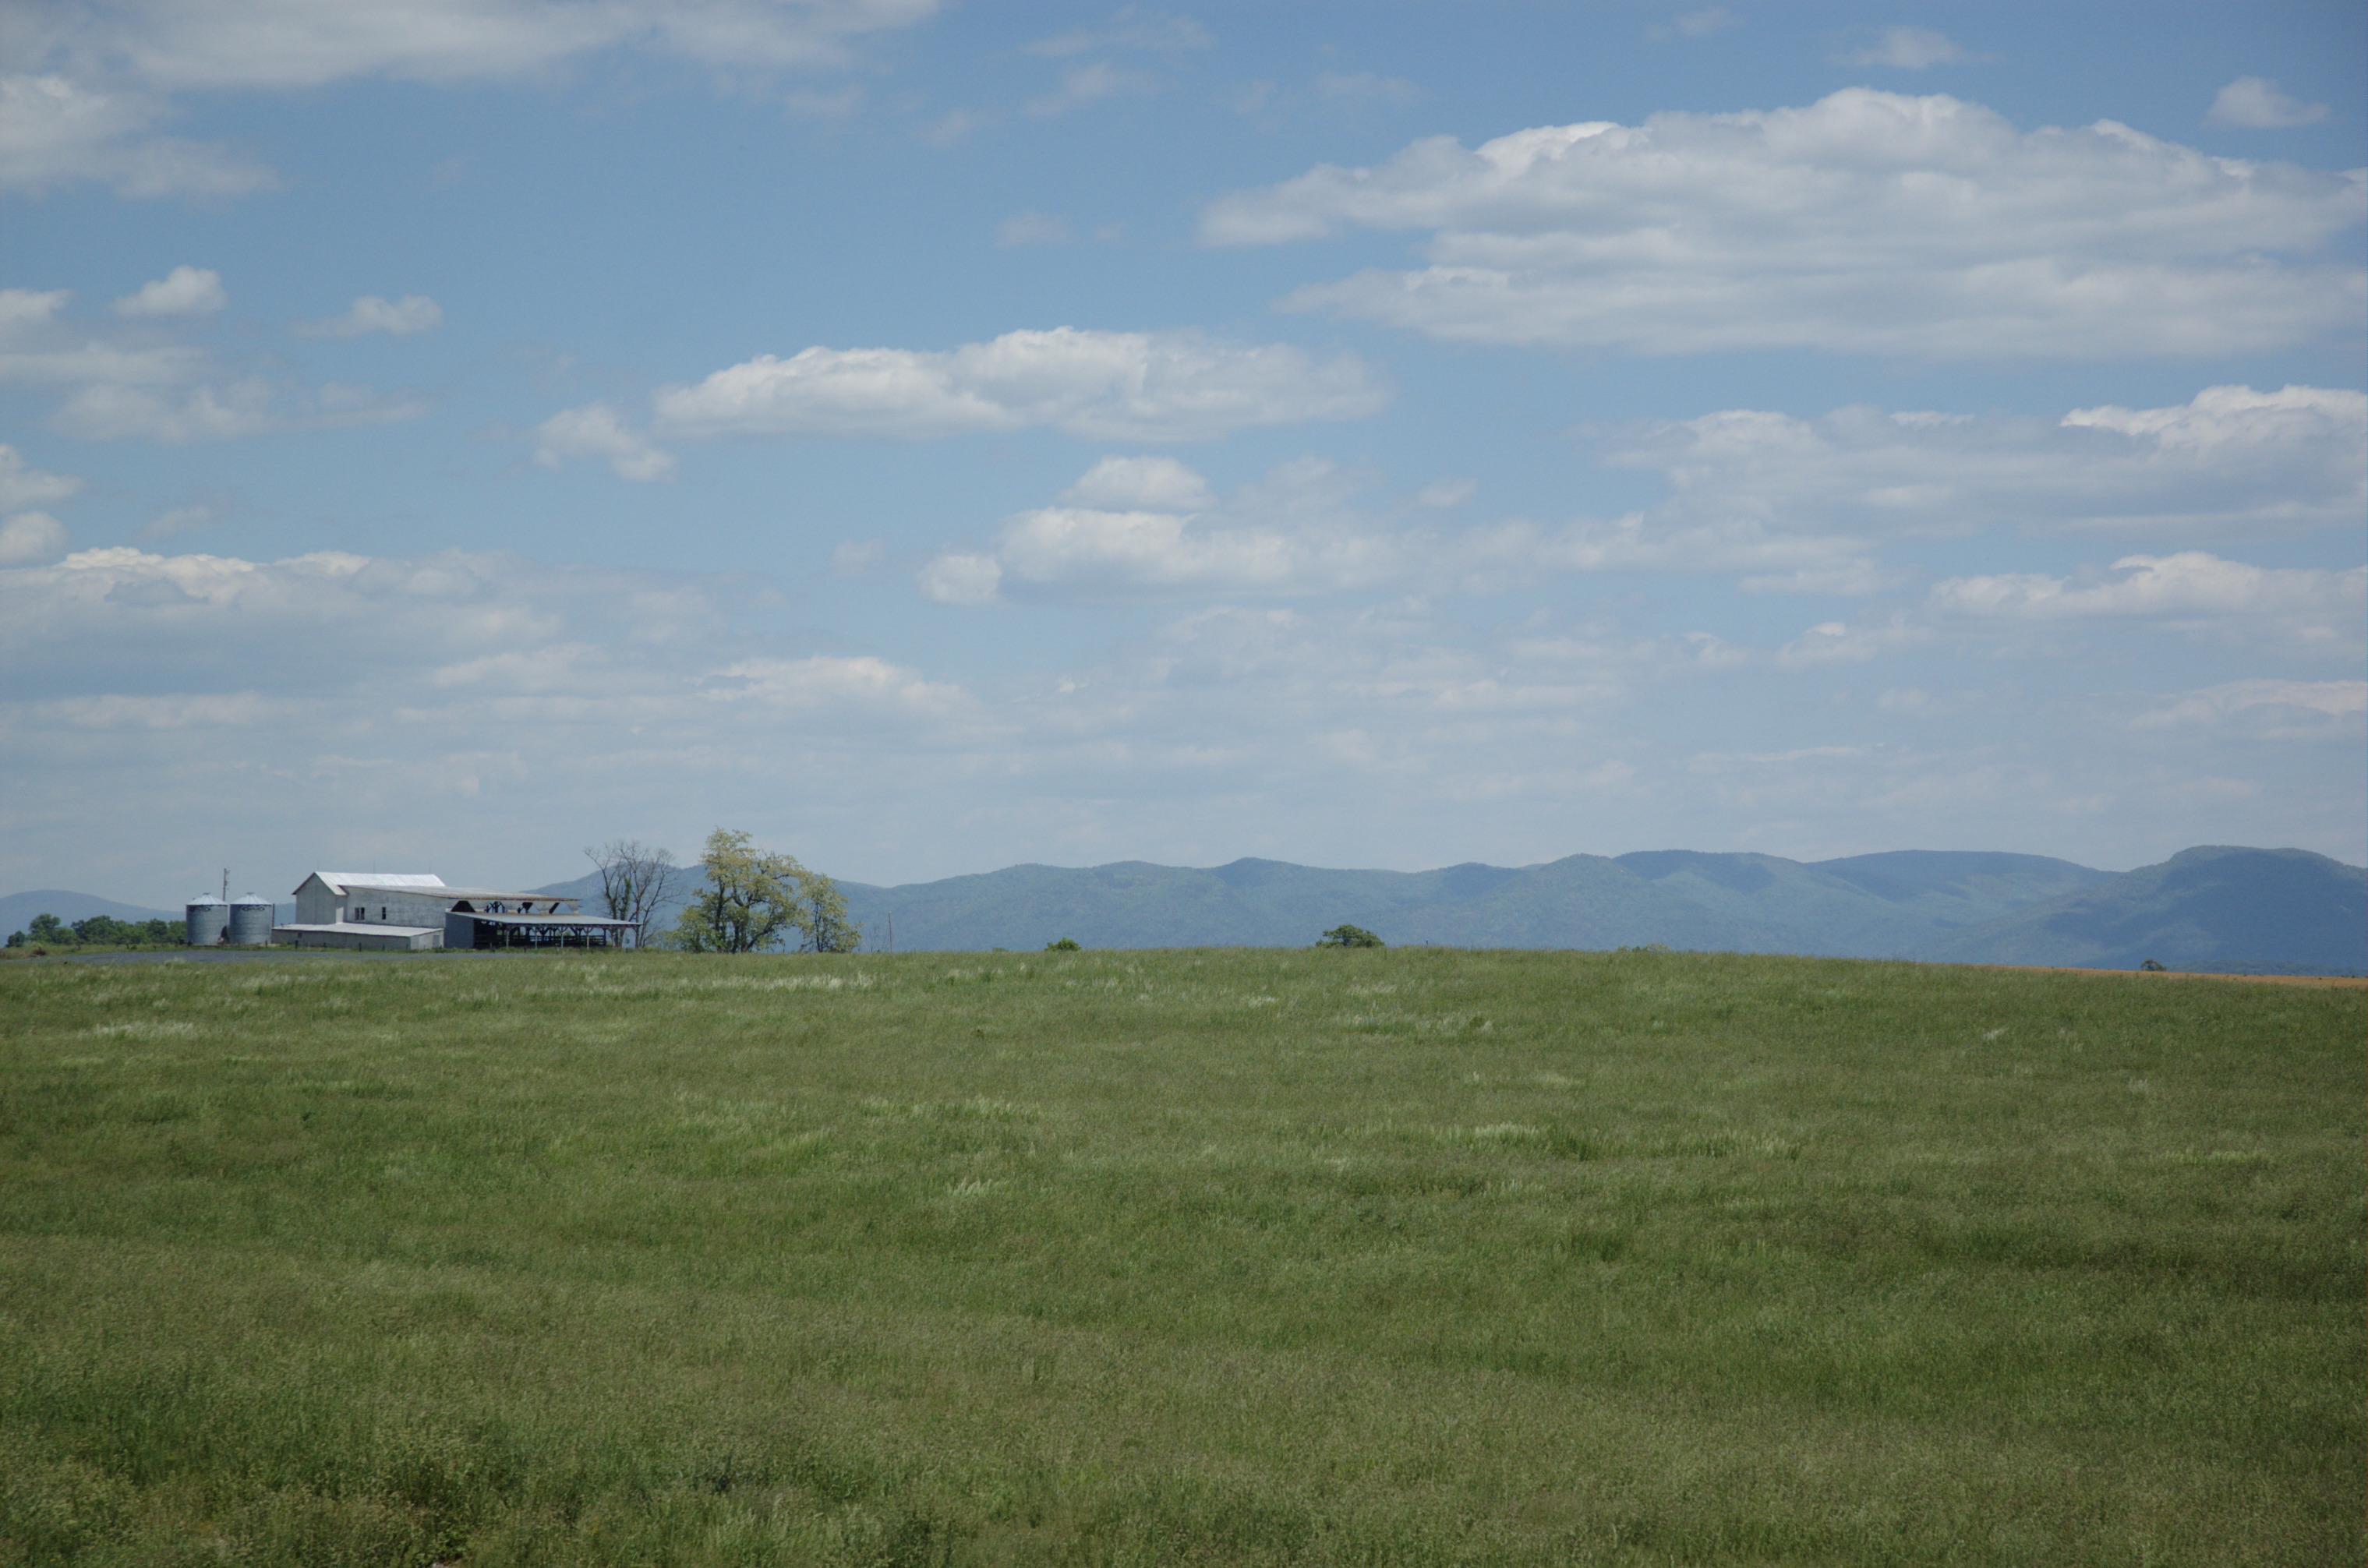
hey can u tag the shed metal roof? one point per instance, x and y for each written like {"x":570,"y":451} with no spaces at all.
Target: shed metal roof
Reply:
{"x":340,"y":881}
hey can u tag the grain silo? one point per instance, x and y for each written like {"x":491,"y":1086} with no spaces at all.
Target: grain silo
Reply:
{"x":208,"y":918}
{"x":252,"y":915}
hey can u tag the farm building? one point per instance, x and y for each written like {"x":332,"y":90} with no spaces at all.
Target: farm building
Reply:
{"x":386,"y":910}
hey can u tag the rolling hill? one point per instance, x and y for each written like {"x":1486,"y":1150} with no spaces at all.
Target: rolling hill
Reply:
{"x":2235,"y":910}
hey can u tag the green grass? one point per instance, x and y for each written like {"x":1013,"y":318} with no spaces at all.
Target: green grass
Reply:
{"x":1224,"y":1256}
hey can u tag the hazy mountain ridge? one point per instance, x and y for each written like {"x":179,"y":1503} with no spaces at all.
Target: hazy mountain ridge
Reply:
{"x":2234,"y":909}
{"x":1863,"y":906}
{"x":2272,"y":911}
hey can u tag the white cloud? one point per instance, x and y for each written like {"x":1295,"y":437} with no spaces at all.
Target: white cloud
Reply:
{"x":2257,"y":105}
{"x":31,"y":536}
{"x":57,"y":131}
{"x":21,"y":485}
{"x":82,"y":87}
{"x":232,"y":44}
{"x":249,"y":405}
{"x":178,"y":520}
{"x":1102,"y":386}
{"x":1909,"y":49}
{"x":1784,"y":506}
{"x":398,"y":318}
{"x":2315,"y":609}
{"x":2276,"y":710}
{"x":184,"y":291}
{"x":1703,"y":23}
{"x":595,"y":431}
{"x":1865,"y":222}
{"x":2232,"y":461}
{"x":961,"y":580}
{"x":1032,"y":229}
{"x":1154,"y":484}
{"x":123,"y":384}
{"x":552,"y":704}
{"x":1090,"y":84}
{"x":1134,"y":27}
{"x":1363,"y":88}
{"x":1151,"y":526}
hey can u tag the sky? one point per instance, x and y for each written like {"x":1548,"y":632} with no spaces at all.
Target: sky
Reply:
{"x":440,"y":434}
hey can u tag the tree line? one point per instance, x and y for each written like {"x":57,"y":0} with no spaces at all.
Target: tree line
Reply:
{"x":98,"y":931}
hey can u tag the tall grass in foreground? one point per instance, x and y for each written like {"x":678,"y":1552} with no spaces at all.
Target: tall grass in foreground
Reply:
{"x":1236,"y":1256}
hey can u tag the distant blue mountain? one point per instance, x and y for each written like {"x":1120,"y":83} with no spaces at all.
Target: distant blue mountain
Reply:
{"x":17,"y":909}
{"x":1868,"y":906}
{"x":2231,"y":910}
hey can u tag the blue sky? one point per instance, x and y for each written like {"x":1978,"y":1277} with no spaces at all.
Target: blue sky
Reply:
{"x":438,"y":436}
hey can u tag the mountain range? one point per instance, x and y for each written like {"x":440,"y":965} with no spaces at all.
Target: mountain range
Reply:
{"x":2231,"y":909}
{"x":2227,"y":909}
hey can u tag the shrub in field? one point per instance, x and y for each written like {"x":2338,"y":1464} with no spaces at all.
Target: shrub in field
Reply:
{"x":1349,"y":937}
{"x":1065,"y":945}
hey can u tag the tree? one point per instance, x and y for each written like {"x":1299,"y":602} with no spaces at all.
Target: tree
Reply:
{"x":1349,"y":937}
{"x":826,"y":927}
{"x":752,"y":899}
{"x":1065,"y":945}
{"x":635,"y":880}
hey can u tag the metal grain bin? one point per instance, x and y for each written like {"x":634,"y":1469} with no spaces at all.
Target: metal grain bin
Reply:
{"x":208,"y":919}
{"x":251,"y":918}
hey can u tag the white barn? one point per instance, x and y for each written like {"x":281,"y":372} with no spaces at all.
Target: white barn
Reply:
{"x":416,"y":910}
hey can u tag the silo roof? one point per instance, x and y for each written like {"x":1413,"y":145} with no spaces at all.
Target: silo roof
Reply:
{"x":205,"y":898}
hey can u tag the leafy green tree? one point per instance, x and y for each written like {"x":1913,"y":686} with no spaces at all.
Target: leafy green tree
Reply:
{"x":752,"y":900}
{"x":49,"y":928}
{"x":825,"y":926}
{"x":1065,"y":945}
{"x":1349,"y":937}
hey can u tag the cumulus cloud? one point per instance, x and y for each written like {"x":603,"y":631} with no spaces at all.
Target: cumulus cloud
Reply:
{"x":2315,"y":609}
{"x":24,"y":485}
{"x":1155,"y":484}
{"x":2254,"y":103}
{"x":597,"y":431}
{"x":31,"y":536}
{"x":1781,"y":505}
{"x":958,"y":579}
{"x":1865,"y":222}
{"x":184,"y":291}
{"x":398,"y":318}
{"x":1101,"y":386}
{"x":1909,"y":49}
{"x":1150,"y":525}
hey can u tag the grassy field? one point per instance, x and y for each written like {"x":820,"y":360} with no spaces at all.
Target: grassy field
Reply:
{"x":1222,"y":1257}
